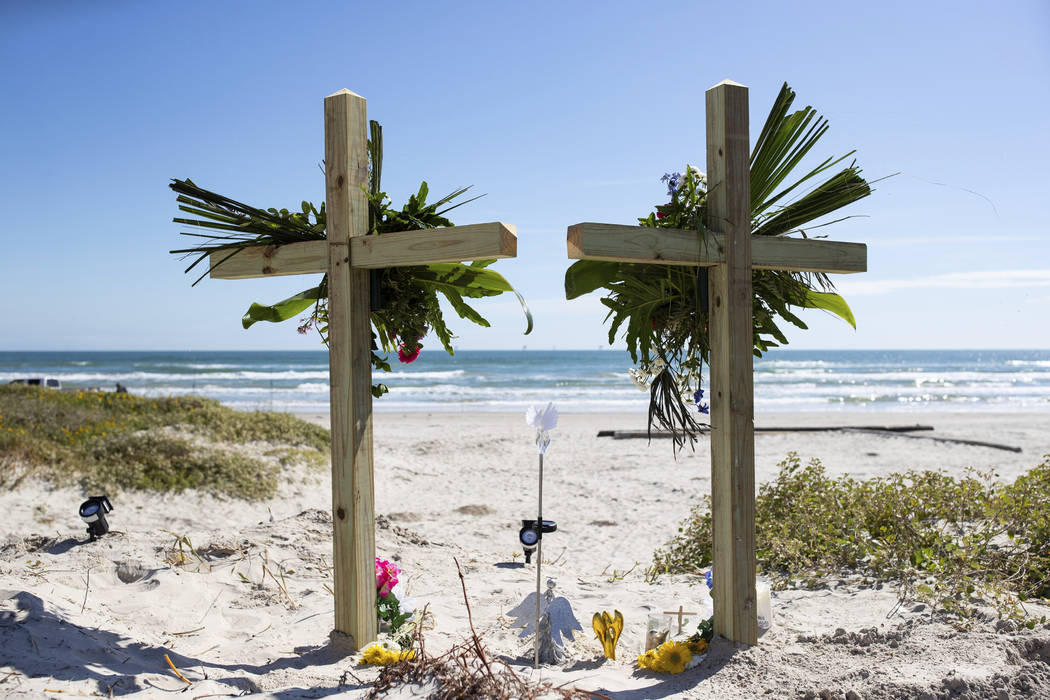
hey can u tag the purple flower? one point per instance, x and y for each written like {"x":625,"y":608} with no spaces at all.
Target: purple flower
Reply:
{"x":701,"y":407}
{"x":672,"y":180}
{"x":710,"y":582}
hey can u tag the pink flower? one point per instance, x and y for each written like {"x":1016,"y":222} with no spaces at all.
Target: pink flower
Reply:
{"x":386,"y":576}
{"x":405,"y":356}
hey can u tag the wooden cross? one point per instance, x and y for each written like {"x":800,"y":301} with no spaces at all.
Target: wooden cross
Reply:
{"x":680,"y":613}
{"x":731,"y":254}
{"x":347,"y":256}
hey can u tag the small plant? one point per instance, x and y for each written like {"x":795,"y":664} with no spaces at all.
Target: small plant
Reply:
{"x":952,"y":542}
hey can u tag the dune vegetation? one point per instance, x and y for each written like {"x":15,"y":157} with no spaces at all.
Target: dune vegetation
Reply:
{"x":961,"y":544}
{"x":119,"y":441}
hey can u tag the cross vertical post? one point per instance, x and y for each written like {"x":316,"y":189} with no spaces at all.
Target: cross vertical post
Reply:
{"x":350,"y":367}
{"x":732,"y":390}
{"x":731,"y":252}
{"x":348,"y":255}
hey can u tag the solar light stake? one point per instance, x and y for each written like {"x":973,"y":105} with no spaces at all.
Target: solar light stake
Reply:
{"x":93,"y":512}
{"x":539,"y":564}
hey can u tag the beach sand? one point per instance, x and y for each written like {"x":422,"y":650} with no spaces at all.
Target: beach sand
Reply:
{"x":247,"y":609}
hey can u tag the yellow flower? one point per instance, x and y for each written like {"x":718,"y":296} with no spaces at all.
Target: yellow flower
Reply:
{"x":672,"y":657}
{"x":385,"y":654}
{"x":647,"y":659}
{"x":697,"y":647}
{"x":373,"y":655}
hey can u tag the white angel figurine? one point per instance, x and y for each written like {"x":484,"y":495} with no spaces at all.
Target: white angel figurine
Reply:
{"x":556,"y":621}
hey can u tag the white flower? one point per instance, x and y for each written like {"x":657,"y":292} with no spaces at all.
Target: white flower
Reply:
{"x":544,"y":419}
{"x":700,"y":176}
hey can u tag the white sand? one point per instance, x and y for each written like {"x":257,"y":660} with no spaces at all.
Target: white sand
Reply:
{"x":98,"y":618}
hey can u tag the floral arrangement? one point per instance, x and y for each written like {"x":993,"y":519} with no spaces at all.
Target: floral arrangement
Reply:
{"x":407,"y":297}
{"x":673,"y":656}
{"x":388,"y":607}
{"x":662,"y":310}
{"x":385,"y":654}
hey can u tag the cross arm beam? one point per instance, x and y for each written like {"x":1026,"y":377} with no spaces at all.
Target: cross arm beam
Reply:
{"x":426,"y":246}
{"x":642,"y":244}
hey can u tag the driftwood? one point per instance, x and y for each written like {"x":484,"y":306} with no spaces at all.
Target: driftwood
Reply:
{"x":958,"y":441}
{"x":884,"y":430}
{"x":634,"y":434}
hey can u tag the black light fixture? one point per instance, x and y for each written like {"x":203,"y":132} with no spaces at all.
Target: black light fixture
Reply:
{"x":531,"y":533}
{"x":93,"y":512}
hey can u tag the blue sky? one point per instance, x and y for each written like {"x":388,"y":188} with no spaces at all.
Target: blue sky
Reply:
{"x":560,"y":112}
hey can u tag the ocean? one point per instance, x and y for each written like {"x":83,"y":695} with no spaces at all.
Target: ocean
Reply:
{"x":577,"y":381}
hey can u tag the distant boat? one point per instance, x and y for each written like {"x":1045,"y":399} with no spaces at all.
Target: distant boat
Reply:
{"x":39,"y":381}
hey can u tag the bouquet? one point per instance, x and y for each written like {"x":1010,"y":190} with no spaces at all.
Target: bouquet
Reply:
{"x":409,"y":294}
{"x":662,"y":310}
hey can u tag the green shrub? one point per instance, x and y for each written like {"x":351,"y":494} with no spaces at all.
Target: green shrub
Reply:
{"x":114,"y":441}
{"x":953,"y":542}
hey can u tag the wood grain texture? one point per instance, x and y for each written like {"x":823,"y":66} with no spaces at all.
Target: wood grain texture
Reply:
{"x":350,"y":367}
{"x":421,"y":247}
{"x":272,"y":261}
{"x":732,"y":391}
{"x":435,"y":245}
{"x":670,"y":246}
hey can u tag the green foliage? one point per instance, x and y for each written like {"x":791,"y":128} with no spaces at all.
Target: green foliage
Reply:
{"x":117,"y":441}
{"x":388,"y":608}
{"x":409,"y":301}
{"x":952,"y":542}
{"x":661,"y":311}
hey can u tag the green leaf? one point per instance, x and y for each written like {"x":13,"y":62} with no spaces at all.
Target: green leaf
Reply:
{"x":282,"y":310}
{"x":585,"y":276}
{"x":829,"y":301}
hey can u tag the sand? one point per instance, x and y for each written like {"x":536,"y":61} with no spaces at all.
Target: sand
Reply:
{"x":247,"y":610}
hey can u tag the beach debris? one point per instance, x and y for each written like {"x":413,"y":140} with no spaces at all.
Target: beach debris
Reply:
{"x":637,"y":434}
{"x":555,"y":621}
{"x":176,"y":671}
{"x":607,"y":629}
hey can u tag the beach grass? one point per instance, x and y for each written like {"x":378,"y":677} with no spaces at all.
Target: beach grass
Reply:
{"x":959,"y":544}
{"x":117,"y":441}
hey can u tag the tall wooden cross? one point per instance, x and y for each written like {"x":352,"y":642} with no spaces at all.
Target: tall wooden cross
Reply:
{"x":732,"y":254}
{"x":347,"y":256}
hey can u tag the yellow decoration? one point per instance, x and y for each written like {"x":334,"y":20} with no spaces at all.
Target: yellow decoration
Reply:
{"x":669,"y":657}
{"x":607,"y":629}
{"x":697,"y":647}
{"x":385,"y":654}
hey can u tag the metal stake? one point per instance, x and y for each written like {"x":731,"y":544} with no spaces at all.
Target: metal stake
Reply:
{"x":539,"y":562}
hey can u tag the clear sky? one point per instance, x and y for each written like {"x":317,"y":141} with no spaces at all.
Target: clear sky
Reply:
{"x":560,"y":111}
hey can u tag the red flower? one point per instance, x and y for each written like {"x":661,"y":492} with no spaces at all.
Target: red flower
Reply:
{"x":405,"y":356}
{"x":660,"y":215}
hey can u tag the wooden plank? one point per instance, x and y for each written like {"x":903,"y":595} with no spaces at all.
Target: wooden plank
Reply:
{"x":420,"y":247}
{"x":670,"y":246}
{"x":349,"y":343}
{"x":272,"y":261}
{"x":732,"y":397}
{"x":436,"y":245}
